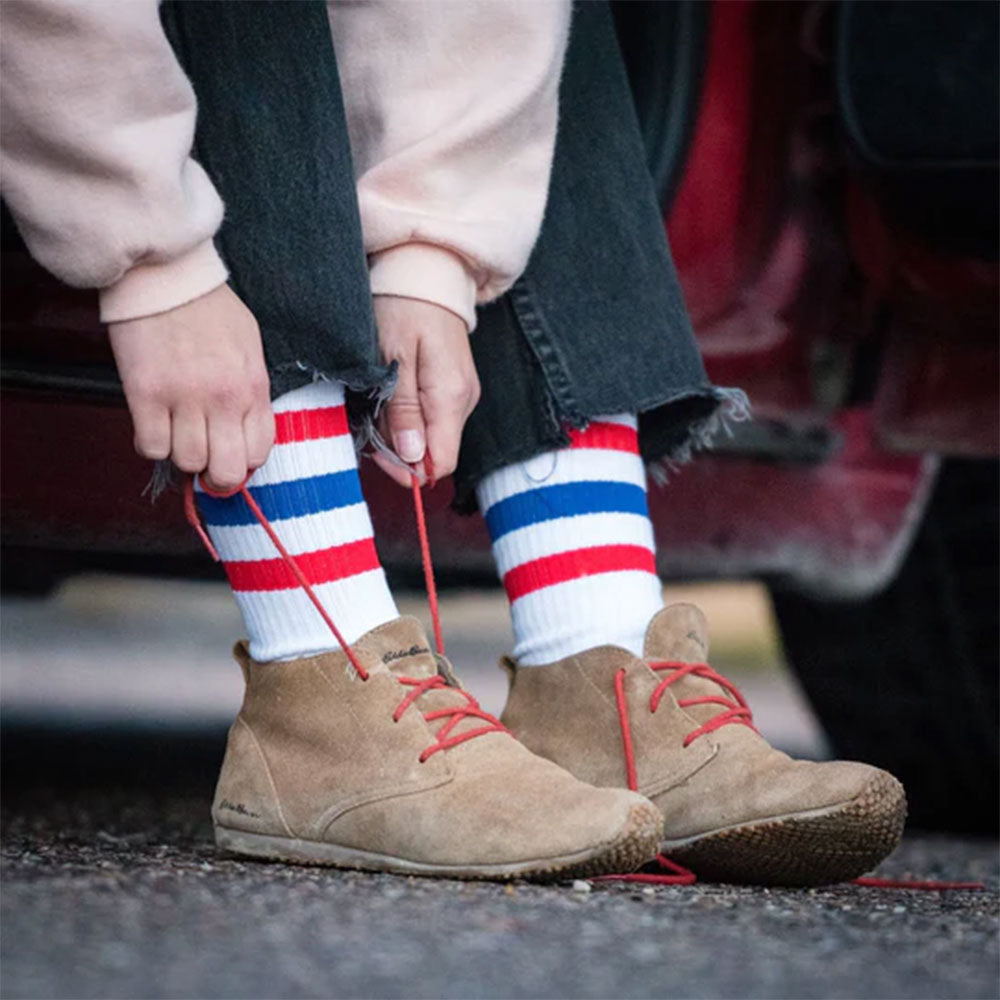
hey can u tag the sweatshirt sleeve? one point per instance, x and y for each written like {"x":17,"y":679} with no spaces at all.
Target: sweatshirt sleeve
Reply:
{"x":451,"y":108}
{"x":95,"y":141}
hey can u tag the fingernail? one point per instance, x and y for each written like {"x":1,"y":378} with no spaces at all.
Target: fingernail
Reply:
{"x":410,"y":445}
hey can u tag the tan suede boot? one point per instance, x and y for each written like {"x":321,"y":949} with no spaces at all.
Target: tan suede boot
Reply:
{"x":402,"y":772}
{"x":735,"y":809}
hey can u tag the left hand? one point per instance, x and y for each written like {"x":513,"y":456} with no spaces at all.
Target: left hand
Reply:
{"x":437,"y":389}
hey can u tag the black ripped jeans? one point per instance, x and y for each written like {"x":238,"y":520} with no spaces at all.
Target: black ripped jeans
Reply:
{"x":595,"y":325}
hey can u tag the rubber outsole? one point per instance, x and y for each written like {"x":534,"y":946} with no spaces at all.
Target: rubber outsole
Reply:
{"x":820,"y":847}
{"x":636,"y":843}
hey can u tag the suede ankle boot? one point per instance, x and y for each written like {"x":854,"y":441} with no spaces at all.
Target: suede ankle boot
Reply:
{"x":735,"y":809}
{"x":402,"y":772}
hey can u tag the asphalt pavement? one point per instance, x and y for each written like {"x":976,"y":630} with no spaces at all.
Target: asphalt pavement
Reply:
{"x":112,"y":887}
{"x":116,"y":890}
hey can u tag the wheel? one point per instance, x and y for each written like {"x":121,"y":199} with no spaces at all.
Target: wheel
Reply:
{"x":907,"y":679}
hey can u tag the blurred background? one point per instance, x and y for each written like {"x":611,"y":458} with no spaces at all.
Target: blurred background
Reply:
{"x":110,"y":652}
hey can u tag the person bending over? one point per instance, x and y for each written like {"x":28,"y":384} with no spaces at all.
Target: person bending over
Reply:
{"x":396,"y":176}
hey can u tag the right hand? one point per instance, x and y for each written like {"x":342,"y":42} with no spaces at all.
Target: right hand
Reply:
{"x":197,"y":387}
{"x":437,"y":389}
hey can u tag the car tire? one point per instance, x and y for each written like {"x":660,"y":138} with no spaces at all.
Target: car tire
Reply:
{"x":907,"y":679}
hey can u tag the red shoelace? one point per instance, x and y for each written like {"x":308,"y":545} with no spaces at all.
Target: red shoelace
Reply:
{"x":735,"y":709}
{"x":420,"y":685}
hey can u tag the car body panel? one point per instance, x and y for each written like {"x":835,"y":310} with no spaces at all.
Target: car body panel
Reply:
{"x":789,"y":272}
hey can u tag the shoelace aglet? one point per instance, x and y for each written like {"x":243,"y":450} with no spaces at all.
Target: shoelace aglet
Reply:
{"x":929,"y":885}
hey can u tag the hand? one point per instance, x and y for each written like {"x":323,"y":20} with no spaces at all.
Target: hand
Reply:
{"x":197,"y":387}
{"x":437,"y":390}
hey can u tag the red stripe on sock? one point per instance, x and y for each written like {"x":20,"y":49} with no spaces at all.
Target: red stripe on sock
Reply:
{"x":323,"y":566}
{"x":563,"y":566}
{"x":310,"y":425}
{"x":613,"y":437}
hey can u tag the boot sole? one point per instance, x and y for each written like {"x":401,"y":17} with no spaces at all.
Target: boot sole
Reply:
{"x":636,"y":843}
{"x":818,"y":847}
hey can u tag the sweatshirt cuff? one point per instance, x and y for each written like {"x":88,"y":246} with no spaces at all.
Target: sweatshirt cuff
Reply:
{"x":427,"y":272}
{"x":147,"y":289}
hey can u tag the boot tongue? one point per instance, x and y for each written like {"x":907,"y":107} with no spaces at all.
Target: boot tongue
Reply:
{"x":401,"y":647}
{"x":679,"y":633}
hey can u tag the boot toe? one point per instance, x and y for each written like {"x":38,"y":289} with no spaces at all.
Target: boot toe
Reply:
{"x":564,"y":826}
{"x":817,"y":846}
{"x":619,"y":831}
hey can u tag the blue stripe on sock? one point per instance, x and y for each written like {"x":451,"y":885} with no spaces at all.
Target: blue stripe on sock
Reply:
{"x":282,"y":500}
{"x":564,"y":500}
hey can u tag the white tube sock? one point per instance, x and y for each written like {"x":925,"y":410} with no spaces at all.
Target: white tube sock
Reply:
{"x":574,"y":544}
{"x":310,"y":492}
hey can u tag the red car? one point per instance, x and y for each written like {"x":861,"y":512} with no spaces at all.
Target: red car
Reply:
{"x":829,"y":180}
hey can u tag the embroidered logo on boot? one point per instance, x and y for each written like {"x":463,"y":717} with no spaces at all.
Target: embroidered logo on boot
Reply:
{"x":402,"y":654}
{"x":238,"y":807}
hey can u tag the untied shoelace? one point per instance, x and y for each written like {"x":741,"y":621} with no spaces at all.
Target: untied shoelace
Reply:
{"x":735,"y":711}
{"x":454,"y":714}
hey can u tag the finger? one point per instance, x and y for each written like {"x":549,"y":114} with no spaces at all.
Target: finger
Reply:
{"x":258,"y":432}
{"x":445,"y":421}
{"x":188,"y":440}
{"x":152,"y":431}
{"x":447,"y":404}
{"x":396,"y":472}
{"x":227,"y":452}
{"x":404,"y":419}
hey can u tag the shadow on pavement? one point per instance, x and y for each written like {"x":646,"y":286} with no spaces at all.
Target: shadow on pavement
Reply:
{"x":175,"y":758}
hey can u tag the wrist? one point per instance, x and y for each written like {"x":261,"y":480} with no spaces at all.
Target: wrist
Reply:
{"x":426,"y":272}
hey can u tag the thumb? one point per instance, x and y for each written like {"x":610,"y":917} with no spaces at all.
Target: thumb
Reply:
{"x":405,"y":419}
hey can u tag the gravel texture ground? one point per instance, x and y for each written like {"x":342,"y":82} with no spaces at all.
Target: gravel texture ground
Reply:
{"x":116,"y":693}
{"x":112,"y":888}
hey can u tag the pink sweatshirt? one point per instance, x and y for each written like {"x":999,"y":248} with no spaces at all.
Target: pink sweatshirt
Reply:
{"x":451,"y":108}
